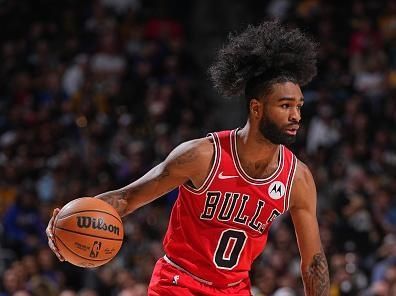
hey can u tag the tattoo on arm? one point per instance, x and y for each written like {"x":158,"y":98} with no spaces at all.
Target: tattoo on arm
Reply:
{"x":187,"y":157}
{"x":316,"y":278}
{"x":127,"y":199}
{"x":163,"y":175}
{"x":117,"y":199}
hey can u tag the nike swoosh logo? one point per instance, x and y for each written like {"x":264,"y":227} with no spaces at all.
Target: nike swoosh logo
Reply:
{"x":223,"y":177}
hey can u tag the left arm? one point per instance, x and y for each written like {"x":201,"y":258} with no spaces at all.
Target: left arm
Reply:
{"x":314,"y":269}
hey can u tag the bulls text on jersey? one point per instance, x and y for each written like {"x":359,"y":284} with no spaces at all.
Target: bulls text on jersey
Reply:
{"x":232,"y":210}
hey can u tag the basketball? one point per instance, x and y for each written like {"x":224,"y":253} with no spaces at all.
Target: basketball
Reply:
{"x":88,"y":232}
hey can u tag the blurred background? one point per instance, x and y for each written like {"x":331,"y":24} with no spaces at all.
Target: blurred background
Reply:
{"x":94,"y":93}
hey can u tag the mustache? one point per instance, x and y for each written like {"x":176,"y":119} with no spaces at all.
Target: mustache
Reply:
{"x":293,"y":125}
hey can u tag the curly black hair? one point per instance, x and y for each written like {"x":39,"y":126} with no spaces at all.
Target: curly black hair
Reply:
{"x":262,"y":55}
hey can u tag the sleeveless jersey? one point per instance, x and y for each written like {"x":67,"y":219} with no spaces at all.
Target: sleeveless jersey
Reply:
{"x":216,"y":231}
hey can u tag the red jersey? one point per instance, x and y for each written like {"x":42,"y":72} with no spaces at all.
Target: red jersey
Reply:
{"x":216,"y":231}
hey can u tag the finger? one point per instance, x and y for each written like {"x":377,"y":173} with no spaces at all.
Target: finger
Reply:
{"x":49,"y":229}
{"x":55,"y":212}
{"x":55,"y":250}
{"x":60,"y":257}
{"x":54,"y":215}
{"x":50,"y":234}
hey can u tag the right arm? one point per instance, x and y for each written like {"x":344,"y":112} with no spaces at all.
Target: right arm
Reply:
{"x":189,"y":161}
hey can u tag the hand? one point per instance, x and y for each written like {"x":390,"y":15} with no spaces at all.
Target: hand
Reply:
{"x":50,"y":235}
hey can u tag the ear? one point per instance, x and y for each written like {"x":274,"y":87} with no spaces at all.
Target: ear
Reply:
{"x":255,"y":109}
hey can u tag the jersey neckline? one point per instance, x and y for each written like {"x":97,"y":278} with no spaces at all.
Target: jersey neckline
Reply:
{"x":239,"y":168}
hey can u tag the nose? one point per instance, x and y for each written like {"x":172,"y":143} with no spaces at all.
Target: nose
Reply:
{"x":295,"y":115}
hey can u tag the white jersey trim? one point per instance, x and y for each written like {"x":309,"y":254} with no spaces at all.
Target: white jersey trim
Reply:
{"x":166,"y":258}
{"x":290,"y":182}
{"x":185,"y":271}
{"x":212,"y":173}
{"x":243,"y":174}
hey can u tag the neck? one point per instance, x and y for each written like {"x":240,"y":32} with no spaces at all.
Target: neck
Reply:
{"x":253,"y":145}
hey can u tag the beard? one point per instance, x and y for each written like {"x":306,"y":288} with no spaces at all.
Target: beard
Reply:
{"x":274,"y":134}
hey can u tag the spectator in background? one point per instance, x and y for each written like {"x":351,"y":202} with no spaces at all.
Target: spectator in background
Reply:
{"x":74,"y":76}
{"x":67,"y":293}
{"x":11,"y":283}
{"x":23,"y":225}
{"x":323,"y":130}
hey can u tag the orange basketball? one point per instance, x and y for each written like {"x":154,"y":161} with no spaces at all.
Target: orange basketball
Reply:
{"x":88,"y":232}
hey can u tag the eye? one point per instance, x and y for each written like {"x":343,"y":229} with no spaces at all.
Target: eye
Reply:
{"x":285,"y":106}
{"x":299,"y":107}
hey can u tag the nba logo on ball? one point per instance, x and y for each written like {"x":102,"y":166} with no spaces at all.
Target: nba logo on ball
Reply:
{"x":276,"y":190}
{"x":95,"y":249}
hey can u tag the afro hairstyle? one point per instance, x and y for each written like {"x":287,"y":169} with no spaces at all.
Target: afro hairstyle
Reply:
{"x":262,"y":55}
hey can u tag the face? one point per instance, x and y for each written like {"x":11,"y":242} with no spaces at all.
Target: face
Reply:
{"x":281,"y":113}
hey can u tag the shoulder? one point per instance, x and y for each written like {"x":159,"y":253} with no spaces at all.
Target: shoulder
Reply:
{"x":303,"y":174}
{"x":200,"y":147}
{"x":191,"y":156}
{"x":303,"y":189}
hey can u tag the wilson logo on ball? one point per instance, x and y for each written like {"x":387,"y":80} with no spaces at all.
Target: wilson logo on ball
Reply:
{"x":88,"y":222}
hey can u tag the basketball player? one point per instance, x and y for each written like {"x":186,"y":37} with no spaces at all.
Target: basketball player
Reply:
{"x":233,"y":184}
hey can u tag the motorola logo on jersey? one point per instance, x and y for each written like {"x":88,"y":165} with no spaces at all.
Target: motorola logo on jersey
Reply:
{"x":276,"y":190}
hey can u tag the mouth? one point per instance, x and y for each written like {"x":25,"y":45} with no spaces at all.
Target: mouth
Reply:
{"x":292,"y":130}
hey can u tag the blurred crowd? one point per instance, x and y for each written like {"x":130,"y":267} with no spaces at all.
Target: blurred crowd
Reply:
{"x":95,"y":93}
